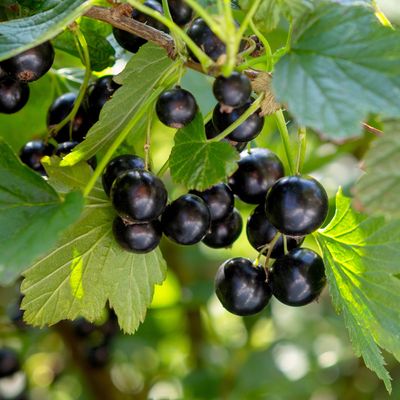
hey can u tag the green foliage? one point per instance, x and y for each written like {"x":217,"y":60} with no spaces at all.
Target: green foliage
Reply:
{"x":32,"y":215}
{"x":361,"y":259}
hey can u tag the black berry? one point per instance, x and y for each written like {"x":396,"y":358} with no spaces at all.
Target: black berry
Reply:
{"x":32,"y":153}
{"x":31,"y":64}
{"x":13,"y":95}
{"x":9,"y":363}
{"x":181,"y":13}
{"x":176,"y":107}
{"x":298,"y":277}
{"x":261,"y":232}
{"x":211,"y":132}
{"x":257,"y":172}
{"x":225,"y":232}
{"x":241,"y":287}
{"x":296,"y":205}
{"x":65,"y":148}
{"x":186,"y":220}
{"x":128,"y":41}
{"x":137,"y":238}
{"x":138,"y":196}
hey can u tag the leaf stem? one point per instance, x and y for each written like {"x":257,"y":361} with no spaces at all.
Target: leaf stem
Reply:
{"x":231,"y":39}
{"x":302,"y":136}
{"x":280,"y":120}
{"x":163,"y":169}
{"x":270,"y":249}
{"x":264,"y":41}
{"x":148,"y":141}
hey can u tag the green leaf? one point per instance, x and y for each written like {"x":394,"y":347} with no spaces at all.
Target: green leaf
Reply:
{"x":378,"y":190}
{"x":32,"y":215}
{"x":343,"y":65}
{"x":88,"y":267}
{"x":361,"y":257}
{"x":21,"y":34}
{"x":139,"y":78}
{"x":197,"y":163}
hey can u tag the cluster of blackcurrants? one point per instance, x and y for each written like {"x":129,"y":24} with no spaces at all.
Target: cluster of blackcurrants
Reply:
{"x":16,"y":72}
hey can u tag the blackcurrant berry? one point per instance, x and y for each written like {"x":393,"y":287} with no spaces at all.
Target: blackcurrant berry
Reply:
{"x":225,"y":232}
{"x":186,"y":220}
{"x":128,"y":41}
{"x":181,"y":13}
{"x":137,"y":238}
{"x":211,"y":132}
{"x":32,"y":153}
{"x":233,"y":91}
{"x":9,"y":363}
{"x":176,"y":108}
{"x":298,"y":277}
{"x":261,"y":232}
{"x":101,"y":91}
{"x":65,"y":148}
{"x":31,"y":64}
{"x":98,"y":356}
{"x":257,"y":172}
{"x":117,"y":166}
{"x":138,"y":196}
{"x":246,"y":131}
{"x":60,"y":109}
{"x":241,"y":287}
{"x":83,"y":328}
{"x":13,"y":95}
{"x":219,"y":199}
{"x":296,"y":205}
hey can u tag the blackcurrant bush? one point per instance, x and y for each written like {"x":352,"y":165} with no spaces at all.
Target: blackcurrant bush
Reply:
{"x":219,"y":199}
{"x":246,"y":131}
{"x":137,"y":238}
{"x":13,"y":95}
{"x":296,"y":205}
{"x":98,"y":356}
{"x":241,"y":287}
{"x":9,"y":363}
{"x":31,"y":64}
{"x":117,"y":166}
{"x":176,"y":108}
{"x":138,"y":196}
{"x":83,"y":328}
{"x":32,"y":153}
{"x":257,"y":172}
{"x":225,"y":232}
{"x":261,"y":232}
{"x":186,"y":220}
{"x":60,"y":109}
{"x":181,"y":13}
{"x":233,"y":91}
{"x":211,"y":132}
{"x":298,"y":277}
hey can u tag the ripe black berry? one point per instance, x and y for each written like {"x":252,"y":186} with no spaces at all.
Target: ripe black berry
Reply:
{"x":181,"y":13}
{"x":32,"y":153}
{"x":138,"y":196}
{"x":186,"y":220}
{"x":246,"y":131}
{"x":137,"y":238}
{"x":176,"y":108}
{"x":219,"y":199}
{"x":223,"y":233}
{"x":31,"y":64}
{"x":241,"y":287}
{"x":296,"y":205}
{"x":65,"y":148}
{"x":9,"y":363}
{"x":257,"y":172}
{"x":261,"y":232}
{"x":233,"y":91}
{"x":117,"y":166}
{"x":13,"y":95}
{"x":298,"y":277}
{"x":211,"y":132}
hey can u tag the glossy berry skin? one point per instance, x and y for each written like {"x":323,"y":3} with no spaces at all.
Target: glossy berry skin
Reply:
{"x":30,"y":65}
{"x":176,"y":108}
{"x":233,"y":91}
{"x":211,"y":132}
{"x":137,"y":238}
{"x":9,"y":363}
{"x":242,"y":288}
{"x":261,"y":232}
{"x":181,"y":13}
{"x":117,"y":166}
{"x":257,"y":172}
{"x":246,"y":131}
{"x":186,"y":220}
{"x":298,"y":277}
{"x":225,"y":232}
{"x":219,"y":199}
{"x":296,"y":205}
{"x":13,"y":95}
{"x":138,"y":196}
{"x":32,"y":153}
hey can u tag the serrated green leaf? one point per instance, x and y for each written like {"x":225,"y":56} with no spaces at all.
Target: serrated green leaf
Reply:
{"x":343,"y":65}
{"x":361,"y":257}
{"x":88,"y":268}
{"x":32,"y":215}
{"x":22,"y":34}
{"x":378,"y":190}
{"x":197,"y":163}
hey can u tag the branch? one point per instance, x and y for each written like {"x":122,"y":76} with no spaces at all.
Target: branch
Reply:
{"x":371,"y":129}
